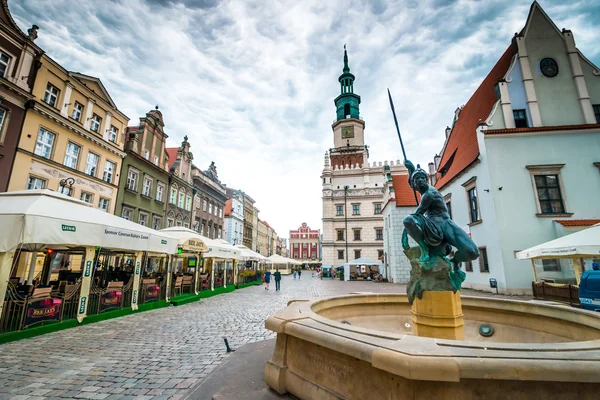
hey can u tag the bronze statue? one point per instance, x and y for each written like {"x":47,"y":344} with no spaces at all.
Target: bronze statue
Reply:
{"x":433,"y":230}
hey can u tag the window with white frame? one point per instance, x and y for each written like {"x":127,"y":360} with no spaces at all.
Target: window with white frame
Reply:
{"x":91,"y":164}
{"x":197,"y":201}
{"x":219,"y":233}
{"x":109,"y":170}
{"x":548,"y":189}
{"x":147,"y":189}
{"x":132,"y":179}
{"x":87,"y":197}
{"x":51,"y":95}
{"x":127,"y":213}
{"x":143,"y":219}
{"x":72,"y":155}
{"x":96,"y":122}
{"x":3,"y":117}
{"x":44,"y":143}
{"x":155,"y":160}
{"x":472,"y":200}
{"x":4,"y":63}
{"x":156,"y":223}
{"x":77,"y":111}
{"x":355,"y":209}
{"x":204,"y":205}
{"x":377,"y":208}
{"x":66,"y":190}
{"x":103,"y":204}
{"x":181,"y":201}
{"x":188,"y":202}
{"x":146,"y":154}
{"x":378,"y":233}
{"x":113,"y":134}
{"x":173,"y":195}
{"x":210,"y":208}
{"x":220,"y":212}
{"x":170,"y":222}
{"x":160,"y":191}
{"x":36,"y":183}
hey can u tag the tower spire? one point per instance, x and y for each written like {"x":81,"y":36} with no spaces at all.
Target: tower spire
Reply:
{"x":346,"y":67}
{"x":347,"y":102}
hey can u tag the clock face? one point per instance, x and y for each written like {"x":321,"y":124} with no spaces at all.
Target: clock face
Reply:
{"x":347,"y":132}
{"x":549,"y":67}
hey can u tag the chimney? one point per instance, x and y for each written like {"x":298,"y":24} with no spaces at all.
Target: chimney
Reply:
{"x":431,"y":168}
{"x":448,"y":130}
{"x":436,"y":161}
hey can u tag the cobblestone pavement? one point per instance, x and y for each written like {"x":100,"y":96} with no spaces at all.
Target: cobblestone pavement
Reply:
{"x":158,"y":354}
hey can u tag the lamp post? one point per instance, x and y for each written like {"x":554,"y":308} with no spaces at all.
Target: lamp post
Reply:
{"x":66,"y":183}
{"x":346,"y":218}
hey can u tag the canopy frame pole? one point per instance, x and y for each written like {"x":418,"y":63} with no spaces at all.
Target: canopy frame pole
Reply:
{"x":197,"y":274}
{"x":534,"y":273}
{"x":168,"y":266}
{"x":6,"y":263}
{"x":32,"y":262}
{"x":224,"y":274}
{"x":212,"y":275}
{"x":235,"y":272}
{"x":136,"y":279}
{"x":576,"y":270}
{"x":86,"y":282}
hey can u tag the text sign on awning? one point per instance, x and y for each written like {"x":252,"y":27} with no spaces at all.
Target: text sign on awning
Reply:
{"x":194,"y":245}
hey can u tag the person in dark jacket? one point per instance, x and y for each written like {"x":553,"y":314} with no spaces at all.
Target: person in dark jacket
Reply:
{"x":267,"y":279}
{"x":277,"y":276}
{"x":299,"y":273}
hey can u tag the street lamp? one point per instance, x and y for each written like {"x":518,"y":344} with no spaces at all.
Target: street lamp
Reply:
{"x":66,"y":183}
{"x":346,"y":218}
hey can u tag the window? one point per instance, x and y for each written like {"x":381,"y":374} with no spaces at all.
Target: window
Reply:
{"x":113,"y":133}
{"x":188,"y":202}
{"x":3,"y":113}
{"x":483,"y":260}
{"x":449,"y":208}
{"x":340,"y":234}
{"x":473,"y":205}
{"x":170,"y":222}
{"x":220,"y":212}
{"x":146,"y":154}
{"x":36,"y":183}
{"x":219,"y":233}
{"x":4,"y":62}
{"x":109,"y":170}
{"x":295,"y":245}
{"x":339,"y":210}
{"x":379,"y":254}
{"x":77,"y":111}
{"x":181,"y":201}
{"x":160,"y":190}
{"x":132,"y":180}
{"x":520,"y":118}
{"x":597,"y":112}
{"x":469,"y":266}
{"x":147,"y":186}
{"x":155,"y":160}
{"x":156,"y":223}
{"x":173,"y":197}
{"x":96,"y":122}
{"x":72,"y":155}
{"x":356,"y":234}
{"x":378,"y":233}
{"x":143,"y":220}
{"x":92,"y":164}
{"x":204,"y":205}
{"x":202,"y":231}
{"x":197,"y":202}
{"x":340,"y":254}
{"x":551,"y":265}
{"x":44,"y":144}
{"x":66,"y":190}
{"x":51,"y":95}
{"x":103,"y":204}
{"x":355,"y":209}
{"x":210,"y":208}
{"x":87,"y":197}
{"x":304,"y":245}
{"x":378,"y":208}
{"x":356,"y":254}
{"x":549,"y":195}
{"x":127,"y":214}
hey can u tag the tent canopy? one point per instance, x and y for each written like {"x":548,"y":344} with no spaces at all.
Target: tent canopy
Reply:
{"x":585,"y":243}
{"x":364,"y":261}
{"x":37,"y":219}
{"x":221,"y":248}
{"x":189,"y":240}
{"x":249,"y":255}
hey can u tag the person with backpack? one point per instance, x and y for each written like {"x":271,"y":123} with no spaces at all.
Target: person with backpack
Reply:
{"x":277,"y":276}
{"x":267,"y":279}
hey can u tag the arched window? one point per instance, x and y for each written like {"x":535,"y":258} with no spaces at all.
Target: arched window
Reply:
{"x":346,"y":110}
{"x":181,"y":201}
{"x":186,"y":222}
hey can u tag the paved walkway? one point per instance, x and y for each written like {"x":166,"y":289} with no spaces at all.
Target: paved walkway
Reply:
{"x":157,"y":354}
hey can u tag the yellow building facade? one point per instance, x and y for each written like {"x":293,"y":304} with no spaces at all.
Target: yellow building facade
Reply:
{"x":72,"y":139}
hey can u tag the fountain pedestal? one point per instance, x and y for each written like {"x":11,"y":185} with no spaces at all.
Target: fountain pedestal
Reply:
{"x":438,"y":315}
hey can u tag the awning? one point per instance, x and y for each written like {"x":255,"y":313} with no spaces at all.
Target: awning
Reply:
{"x":584,"y":243}
{"x":38,"y":219}
{"x":189,"y":241}
{"x":364,"y":261}
{"x":219,"y":248}
{"x":248,"y":255}
{"x":277,"y":259}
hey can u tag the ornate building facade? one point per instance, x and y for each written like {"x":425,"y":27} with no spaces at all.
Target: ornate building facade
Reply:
{"x":210,"y":202}
{"x":234,"y":218}
{"x":304,"y":243}
{"x":353,"y":188}
{"x":181,"y":188}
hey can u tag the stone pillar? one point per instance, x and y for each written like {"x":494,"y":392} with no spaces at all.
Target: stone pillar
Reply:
{"x":534,"y":110}
{"x":578,"y":79}
{"x":6,"y":263}
{"x":86,"y":282}
{"x":136,"y":280}
{"x":235,"y":272}
{"x":169,"y":263}
{"x":64,"y":110}
{"x":153,"y":151}
{"x":106,"y":127}
{"x":438,"y":315}
{"x":507,"y":111}
{"x":89,"y":110}
{"x":197,"y":273}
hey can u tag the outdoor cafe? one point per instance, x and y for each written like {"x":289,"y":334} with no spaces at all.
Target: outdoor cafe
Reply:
{"x":62,"y":259}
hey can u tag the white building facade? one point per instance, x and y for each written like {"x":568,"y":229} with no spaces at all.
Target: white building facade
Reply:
{"x":522,"y":158}
{"x":234,"y":219}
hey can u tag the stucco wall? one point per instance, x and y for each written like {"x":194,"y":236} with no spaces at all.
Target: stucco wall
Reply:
{"x":397,"y":263}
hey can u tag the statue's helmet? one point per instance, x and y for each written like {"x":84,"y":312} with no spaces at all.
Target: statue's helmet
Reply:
{"x":417,"y":172}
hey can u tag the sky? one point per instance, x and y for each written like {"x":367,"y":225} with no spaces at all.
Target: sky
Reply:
{"x":252,"y":82}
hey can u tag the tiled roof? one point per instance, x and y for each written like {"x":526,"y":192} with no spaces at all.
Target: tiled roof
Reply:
{"x":543,"y":129}
{"x":578,"y":222}
{"x":133,"y":128}
{"x":172,"y":152}
{"x":405,"y":197}
{"x":462,"y":149}
{"x":228,"y":207}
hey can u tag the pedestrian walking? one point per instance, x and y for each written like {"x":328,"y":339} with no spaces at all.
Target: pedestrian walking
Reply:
{"x":277,"y":276}
{"x":299,"y":274}
{"x":294,"y":274}
{"x":267,"y":279}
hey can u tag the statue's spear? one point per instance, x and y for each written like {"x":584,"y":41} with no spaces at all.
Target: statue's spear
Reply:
{"x":400,"y":137}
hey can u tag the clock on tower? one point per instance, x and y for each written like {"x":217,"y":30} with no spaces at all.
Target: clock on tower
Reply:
{"x":347,"y":132}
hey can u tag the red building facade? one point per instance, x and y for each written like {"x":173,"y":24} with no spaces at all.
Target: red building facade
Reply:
{"x":304,"y":244}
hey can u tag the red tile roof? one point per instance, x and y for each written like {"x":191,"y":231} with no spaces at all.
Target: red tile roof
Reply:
{"x":267,"y":224}
{"x":461,"y":148}
{"x":542,"y":129}
{"x":405,"y":196}
{"x":578,"y":222}
{"x":172,"y":152}
{"x":133,"y":128}
{"x":228,"y":207}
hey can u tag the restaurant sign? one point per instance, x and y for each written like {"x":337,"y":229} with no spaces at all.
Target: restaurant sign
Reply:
{"x":69,"y":228}
{"x":137,"y":268}
{"x":82,"y":305}
{"x":43,"y":310}
{"x":88,"y":268}
{"x":134,"y":297}
{"x":111,"y":299}
{"x":152,"y":293}
{"x":194,"y":245}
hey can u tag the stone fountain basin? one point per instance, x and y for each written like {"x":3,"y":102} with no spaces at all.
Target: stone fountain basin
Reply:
{"x":537,"y":348}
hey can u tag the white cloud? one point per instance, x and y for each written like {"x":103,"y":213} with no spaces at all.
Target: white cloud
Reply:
{"x":252,"y":83}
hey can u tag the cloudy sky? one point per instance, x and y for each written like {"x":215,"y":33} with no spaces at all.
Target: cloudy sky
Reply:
{"x":252,"y":83}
